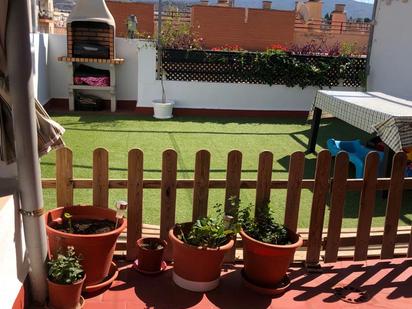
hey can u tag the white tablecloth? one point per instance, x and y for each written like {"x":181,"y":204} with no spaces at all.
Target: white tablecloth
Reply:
{"x":374,"y":112}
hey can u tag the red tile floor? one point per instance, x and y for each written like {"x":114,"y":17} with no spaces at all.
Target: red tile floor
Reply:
{"x":348,"y":284}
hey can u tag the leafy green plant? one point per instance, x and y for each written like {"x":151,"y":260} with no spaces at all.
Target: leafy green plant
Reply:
{"x":210,"y":232}
{"x":277,"y":67}
{"x":263,"y":226}
{"x":66,"y":268}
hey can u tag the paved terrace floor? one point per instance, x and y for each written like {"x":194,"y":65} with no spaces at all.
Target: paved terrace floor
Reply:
{"x":347,"y":284}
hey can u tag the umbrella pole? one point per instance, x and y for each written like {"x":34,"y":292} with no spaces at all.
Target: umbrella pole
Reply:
{"x":25,"y":132}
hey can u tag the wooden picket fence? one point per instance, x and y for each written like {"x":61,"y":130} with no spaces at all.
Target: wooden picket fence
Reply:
{"x":326,"y":189}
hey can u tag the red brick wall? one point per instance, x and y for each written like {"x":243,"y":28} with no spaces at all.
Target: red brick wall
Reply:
{"x":122,"y":10}
{"x":252,"y":29}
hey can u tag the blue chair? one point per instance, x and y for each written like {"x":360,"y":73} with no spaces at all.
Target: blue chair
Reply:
{"x":356,"y":151}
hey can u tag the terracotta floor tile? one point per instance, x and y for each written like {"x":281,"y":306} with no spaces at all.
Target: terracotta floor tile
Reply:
{"x":105,"y":305}
{"x":387,"y":284}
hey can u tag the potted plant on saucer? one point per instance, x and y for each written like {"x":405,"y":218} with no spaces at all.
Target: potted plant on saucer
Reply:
{"x":93,"y":232}
{"x":198,"y":250}
{"x":65,"y":280}
{"x":268,"y":250}
{"x":150,"y":255}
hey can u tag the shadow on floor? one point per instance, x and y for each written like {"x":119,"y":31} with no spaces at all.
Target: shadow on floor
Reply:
{"x":372,"y":280}
{"x":340,"y":284}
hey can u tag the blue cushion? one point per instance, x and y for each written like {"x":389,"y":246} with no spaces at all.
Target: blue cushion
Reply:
{"x":356,"y":151}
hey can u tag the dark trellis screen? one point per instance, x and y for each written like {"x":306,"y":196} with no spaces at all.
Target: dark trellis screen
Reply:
{"x":235,"y":67}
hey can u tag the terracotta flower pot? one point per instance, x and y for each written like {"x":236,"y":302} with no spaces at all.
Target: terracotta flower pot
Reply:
{"x":150,"y":260}
{"x":196,"y":268}
{"x":65,"y":296}
{"x":96,"y":250}
{"x":266,"y":264}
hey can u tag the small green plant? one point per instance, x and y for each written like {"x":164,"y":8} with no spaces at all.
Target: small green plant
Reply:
{"x":263,"y":226}
{"x":68,"y":217}
{"x":66,"y":268}
{"x":210,"y":232}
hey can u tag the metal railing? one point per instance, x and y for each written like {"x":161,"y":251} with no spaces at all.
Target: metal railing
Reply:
{"x":333,"y":26}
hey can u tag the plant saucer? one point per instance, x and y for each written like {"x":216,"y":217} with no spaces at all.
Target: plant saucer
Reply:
{"x":81,"y":303}
{"x":273,"y":290}
{"x":113,"y":273}
{"x":163,"y":267}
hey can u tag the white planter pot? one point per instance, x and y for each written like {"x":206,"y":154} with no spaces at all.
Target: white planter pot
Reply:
{"x":163,"y":110}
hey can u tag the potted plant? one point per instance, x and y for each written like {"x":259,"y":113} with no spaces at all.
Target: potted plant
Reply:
{"x":163,"y":108}
{"x":150,"y":255}
{"x":92,"y":231}
{"x":268,"y":250}
{"x":173,"y":34}
{"x":198,"y":251}
{"x":65,"y":280}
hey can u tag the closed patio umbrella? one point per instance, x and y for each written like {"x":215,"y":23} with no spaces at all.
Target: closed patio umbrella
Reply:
{"x":49,"y":132}
{"x":26,"y":131}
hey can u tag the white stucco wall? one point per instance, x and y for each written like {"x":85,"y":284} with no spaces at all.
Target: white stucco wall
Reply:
{"x":39,"y":43}
{"x":58,"y":72}
{"x":390,"y":59}
{"x":13,"y":259}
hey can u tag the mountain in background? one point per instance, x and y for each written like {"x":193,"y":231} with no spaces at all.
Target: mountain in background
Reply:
{"x":354,"y":9}
{"x":64,"y":5}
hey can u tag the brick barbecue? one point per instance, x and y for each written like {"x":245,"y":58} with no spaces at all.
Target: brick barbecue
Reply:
{"x":90,"y":31}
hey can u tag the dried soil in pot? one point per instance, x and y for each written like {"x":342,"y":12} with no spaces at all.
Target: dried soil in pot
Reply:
{"x":85,"y":226}
{"x":150,"y":254}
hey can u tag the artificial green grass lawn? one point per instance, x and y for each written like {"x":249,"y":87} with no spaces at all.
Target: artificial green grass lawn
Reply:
{"x":118,"y":134}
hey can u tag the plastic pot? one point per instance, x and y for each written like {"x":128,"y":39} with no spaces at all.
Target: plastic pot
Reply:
{"x":65,"y":296}
{"x":150,"y":260}
{"x":196,"y":268}
{"x":163,"y":110}
{"x":267,"y":264}
{"x":96,"y":250}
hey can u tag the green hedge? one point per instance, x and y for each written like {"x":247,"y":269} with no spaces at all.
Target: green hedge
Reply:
{"x":270,"y":67}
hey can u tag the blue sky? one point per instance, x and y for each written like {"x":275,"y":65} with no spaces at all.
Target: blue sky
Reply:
{"x":367,"y":1}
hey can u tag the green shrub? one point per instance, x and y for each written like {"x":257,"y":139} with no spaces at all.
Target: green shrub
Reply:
{"x":210,"y":232}
{"x":66,"y":268}
{"x":263,"y":226}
